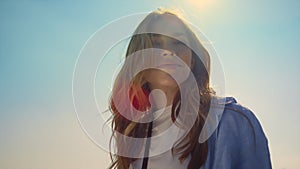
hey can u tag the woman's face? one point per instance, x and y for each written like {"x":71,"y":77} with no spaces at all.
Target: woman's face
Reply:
{"x":169,"y":50}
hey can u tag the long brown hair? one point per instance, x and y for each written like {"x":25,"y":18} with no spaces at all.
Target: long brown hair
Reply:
{"x":138,"y":94}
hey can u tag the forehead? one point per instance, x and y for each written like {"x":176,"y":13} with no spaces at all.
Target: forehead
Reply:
{"x":169,"y":25}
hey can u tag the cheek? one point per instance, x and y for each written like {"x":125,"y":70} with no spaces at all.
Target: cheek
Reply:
{"x":186,"y":56}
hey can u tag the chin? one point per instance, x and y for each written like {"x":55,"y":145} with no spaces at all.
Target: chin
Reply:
{"x":159,"y":78}
{"x":163,"y":79}
{"x":167,"y":82}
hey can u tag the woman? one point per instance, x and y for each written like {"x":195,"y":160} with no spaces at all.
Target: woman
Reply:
{"x":165,"y":83}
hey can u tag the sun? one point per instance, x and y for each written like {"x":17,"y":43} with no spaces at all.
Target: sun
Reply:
{"x":200,"y":4}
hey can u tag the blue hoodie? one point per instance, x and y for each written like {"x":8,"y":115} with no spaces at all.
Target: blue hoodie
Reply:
{"x":238,"y":142}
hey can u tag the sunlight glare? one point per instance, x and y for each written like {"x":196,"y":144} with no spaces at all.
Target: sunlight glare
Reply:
{"x":200,"y":4}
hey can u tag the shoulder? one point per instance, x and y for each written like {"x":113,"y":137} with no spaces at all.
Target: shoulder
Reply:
{"x":229,"y":119}
{"x":236,"y":127}
{"x":239,"y":119}
{"x":239,"y":140}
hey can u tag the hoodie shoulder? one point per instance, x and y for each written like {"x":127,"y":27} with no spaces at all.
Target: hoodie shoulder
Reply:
{"x":239,"y":140}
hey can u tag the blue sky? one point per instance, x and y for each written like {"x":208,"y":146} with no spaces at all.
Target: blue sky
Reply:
{"x":257,"y":43}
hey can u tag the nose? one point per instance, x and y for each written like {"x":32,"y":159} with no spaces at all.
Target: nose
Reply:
{"x":166,"y":53}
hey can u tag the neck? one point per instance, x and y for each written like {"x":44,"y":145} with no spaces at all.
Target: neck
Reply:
{"x":162,"y":96}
